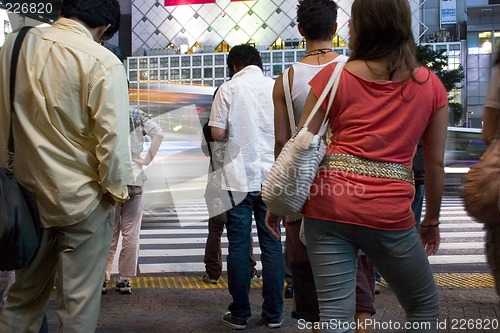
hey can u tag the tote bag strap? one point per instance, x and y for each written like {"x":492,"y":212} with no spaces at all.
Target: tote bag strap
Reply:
{"x":331,"y":87}
{"x":13,"y":67}
{"x":288,"y":100}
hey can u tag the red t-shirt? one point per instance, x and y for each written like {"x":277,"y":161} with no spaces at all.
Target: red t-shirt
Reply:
{"x":380,"y":121}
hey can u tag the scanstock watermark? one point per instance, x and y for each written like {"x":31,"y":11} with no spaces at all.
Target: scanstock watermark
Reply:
{"x":376,"y":325}
{"x":347,"y":183}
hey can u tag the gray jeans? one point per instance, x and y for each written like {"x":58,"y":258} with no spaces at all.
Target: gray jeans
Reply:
{"x":397,"y":255}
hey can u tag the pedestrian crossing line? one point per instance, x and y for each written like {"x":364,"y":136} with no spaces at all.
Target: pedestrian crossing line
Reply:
{"x":183,"y":241}
{"x":178,"y":264}
{"x":201,"y":251}
{"x":177,"y":231}
{"x":458,"y":218}
{"x":168,"y":246}
{"x":455,"y":207}
{"x":460,"y":246}
{"x":444,"y":226}
{"x":186,"y":252}
{"x":462,"y":234}
{"x":192,"y":281}
{"x":457,"y":259}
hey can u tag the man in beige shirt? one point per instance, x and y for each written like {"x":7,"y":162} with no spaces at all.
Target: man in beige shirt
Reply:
{"x":71,"y":141}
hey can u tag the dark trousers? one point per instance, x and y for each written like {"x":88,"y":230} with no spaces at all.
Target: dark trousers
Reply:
{"x":213,"y":251}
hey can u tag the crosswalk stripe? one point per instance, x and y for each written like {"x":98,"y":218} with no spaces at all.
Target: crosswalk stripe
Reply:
{"x":461,"y":259}
{"x":460,"y":226}
{"x":460,"y":234}
{"x":200,"y":240}
{"x":170,"y":246}
{"x":461,"y":246}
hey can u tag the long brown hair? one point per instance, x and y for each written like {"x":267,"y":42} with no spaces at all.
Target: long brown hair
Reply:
{"x":383,"y":30}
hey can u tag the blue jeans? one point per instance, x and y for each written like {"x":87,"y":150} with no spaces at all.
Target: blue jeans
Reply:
{"x":239,"y":227}
{"x":398,"y":256}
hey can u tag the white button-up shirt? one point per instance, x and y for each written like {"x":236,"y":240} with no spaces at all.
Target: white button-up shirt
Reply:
{"x":243,"y":107}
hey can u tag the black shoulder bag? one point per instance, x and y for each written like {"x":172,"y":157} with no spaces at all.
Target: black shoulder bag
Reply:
{"x":20,"y":230}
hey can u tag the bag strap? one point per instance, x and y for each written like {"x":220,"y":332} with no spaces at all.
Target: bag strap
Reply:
{"x":331,"y":87}
{"x":288,"y":100}
{"x":13,"y":67}
{"x":212,"y":166}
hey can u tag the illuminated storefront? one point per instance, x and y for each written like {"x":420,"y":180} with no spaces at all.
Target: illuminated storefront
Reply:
{"x":187,"y":40}
{"x":5,"y":27}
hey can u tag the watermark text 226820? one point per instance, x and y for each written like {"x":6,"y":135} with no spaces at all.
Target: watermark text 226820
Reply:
{"x":25,"y":8}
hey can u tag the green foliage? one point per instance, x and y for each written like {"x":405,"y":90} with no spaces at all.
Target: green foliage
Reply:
{"x":437,"y":61}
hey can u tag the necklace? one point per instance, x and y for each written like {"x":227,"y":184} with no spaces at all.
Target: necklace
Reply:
{"x":318,"y":51}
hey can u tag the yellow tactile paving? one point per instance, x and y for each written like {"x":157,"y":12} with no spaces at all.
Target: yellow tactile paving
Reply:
{"x":462,"y":280}
{"x":465,"y":280}
{"x":450,"y":280}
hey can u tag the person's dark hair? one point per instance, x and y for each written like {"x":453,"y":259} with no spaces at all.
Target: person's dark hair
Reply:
{"x":94,"y":13}
{"x":242,"y":56}
{"x":317,"y":18}
{"x":497,"y":59}
{"x":382,"y":29}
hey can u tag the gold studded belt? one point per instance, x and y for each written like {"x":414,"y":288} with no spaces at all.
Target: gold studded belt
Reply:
{"x":354,"y":164}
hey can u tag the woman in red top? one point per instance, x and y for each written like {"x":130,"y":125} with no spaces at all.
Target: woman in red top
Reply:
{"x":362,"y":195}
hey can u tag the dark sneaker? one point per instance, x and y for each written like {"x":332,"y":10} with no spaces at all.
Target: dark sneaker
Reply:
{"x":208,"y":279}
{"x":124,"y":287}
{"x":270,"y":324}
{"x":275,"y":324}
{"x":104,"y":288}
{"x":234,"y":323}
{"x":377,"y":287}
{"x":288,"y":292}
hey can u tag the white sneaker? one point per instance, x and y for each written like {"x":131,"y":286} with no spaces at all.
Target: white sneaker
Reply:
{"x":124,"y":287}
{"x":256,"y":278}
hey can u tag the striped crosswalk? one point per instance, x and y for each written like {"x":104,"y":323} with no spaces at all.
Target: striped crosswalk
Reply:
{"x":462,"y":239}
{"x":174,"y":240}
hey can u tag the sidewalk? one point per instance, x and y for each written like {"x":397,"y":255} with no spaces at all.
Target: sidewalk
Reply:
{"x":198,"y":308}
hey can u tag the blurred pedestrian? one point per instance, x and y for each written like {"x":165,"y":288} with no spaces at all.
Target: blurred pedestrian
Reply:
{"x":71,"y":139}
{"x":241,"y":118}
{"x":361,"y":198}
{"x":128,"y":215}
{"x":491,"y":123}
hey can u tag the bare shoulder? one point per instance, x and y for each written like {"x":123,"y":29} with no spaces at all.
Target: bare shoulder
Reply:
{"x":357,"y":67}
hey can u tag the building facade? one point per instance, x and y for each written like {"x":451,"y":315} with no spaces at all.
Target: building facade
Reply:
{"x":187,"y":40}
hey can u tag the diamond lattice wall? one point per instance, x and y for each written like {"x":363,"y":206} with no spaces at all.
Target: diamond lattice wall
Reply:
{"x":154,"y":26}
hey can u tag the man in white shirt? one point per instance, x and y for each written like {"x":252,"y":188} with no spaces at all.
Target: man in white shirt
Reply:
{"x":242,"y":116}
